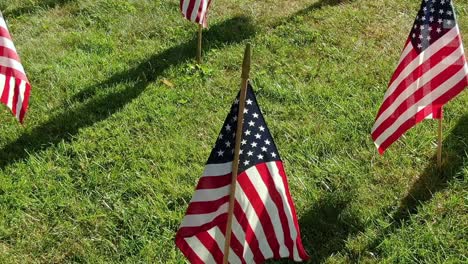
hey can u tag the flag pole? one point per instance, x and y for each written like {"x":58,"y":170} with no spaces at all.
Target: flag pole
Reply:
{"x":199,"y":49}
{"x":439,"y":143}
{"x":235,"y":162}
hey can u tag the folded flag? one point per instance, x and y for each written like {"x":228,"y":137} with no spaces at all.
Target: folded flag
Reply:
{"x":432,"y":70}
{"x":264,"y":222}
{"x":195,"y":10}
{"x":14,"y":85}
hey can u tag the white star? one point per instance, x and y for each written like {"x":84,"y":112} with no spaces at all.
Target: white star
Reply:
{"x":420,"y":36}
{"x":449,"y":13}
{"x":244,"y":142}
{"x":228,"y":144}
{"x":440,"y":21}
{"x":253,"y":144}
{"x":241,"y":151}
{"x":260,"y":156}
{"x":220,"y":153}
{"x":273,"y":155}
{"x":421,"y":27}
{"x":234,"y":118}
{"x":261,"y":128}
{"x":441,"y":11}
{"x":439,"y":30}
{"x":428,"y":38}
{"x":264,"y":149}
{"x":430,"y":29}
{"x":258,"y":136}
{"x":246,"y":111}
{"x":267,"y":142}
{"x":432,"y":10}
{"x":442,"y":2}
{"x":419,"y":45}
{"x":449,"y":22}
{"x":250,"y":153}
{"x":249,"y":102}
{"x":228,"y":127}
{"x":255,"y":115}
{"x":247,"y":132}
{"x":423,"y":18}
{"x":220,"y":136}
{"x":246,"y":163}
{"x":236,"y":101}
{"x":234,"y":134}
{"x":251,"y":123}
{"x":431,"y":19}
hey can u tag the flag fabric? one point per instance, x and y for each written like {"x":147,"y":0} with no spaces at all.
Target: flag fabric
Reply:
{"x":264,"y":223}
{"x":14,"y":85}
{"x":432,"y":70}
{"x":195,"y":10}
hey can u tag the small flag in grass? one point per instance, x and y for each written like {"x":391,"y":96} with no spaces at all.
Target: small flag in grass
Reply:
{"x":264,"y":223}
{"x":195,"y":10}
{"x":14,"y":85}
{"x":432,"y":70}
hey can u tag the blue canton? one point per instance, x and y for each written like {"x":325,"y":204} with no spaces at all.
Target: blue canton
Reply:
{"x":435,"y":18}
{"x":257,"y":143}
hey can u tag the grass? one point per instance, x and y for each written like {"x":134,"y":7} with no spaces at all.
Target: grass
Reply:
{"x":109,"y":155}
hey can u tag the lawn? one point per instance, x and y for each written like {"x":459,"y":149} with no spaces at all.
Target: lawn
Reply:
{"x":110,"y":153}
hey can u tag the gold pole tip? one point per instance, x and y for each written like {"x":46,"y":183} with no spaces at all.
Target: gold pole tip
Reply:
{"x":247,"y":61}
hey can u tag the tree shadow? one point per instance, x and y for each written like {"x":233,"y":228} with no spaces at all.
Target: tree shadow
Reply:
{"x":432,"y":180}
{"x":326,"y":226}
{"x":92,"y":107}
{"x":33,"y":8}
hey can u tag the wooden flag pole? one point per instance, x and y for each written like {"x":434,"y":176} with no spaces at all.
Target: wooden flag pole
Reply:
{"x":199,"y":49}
{"x":235,"y":162}
{"x":439,"y":143}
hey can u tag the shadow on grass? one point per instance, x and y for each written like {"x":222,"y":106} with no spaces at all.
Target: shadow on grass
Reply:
{"x":320,"y":4}
{"x":317,"y":5}
{"x":432,"y":180}
{"x":33,"y":8}
{"x":92,"y":107}
{"x":326,"y":226}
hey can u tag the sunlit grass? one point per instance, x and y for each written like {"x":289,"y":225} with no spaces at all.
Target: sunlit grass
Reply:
{"x":110,"y":154}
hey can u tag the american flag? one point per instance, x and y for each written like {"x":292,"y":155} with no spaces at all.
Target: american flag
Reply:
{"x":432,"y":70}
{"x":195,"y":10}
{"x":14,"y":84}
{"x":264,"y":223}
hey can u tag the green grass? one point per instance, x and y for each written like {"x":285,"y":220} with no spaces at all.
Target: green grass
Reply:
{"x":109,"y":156}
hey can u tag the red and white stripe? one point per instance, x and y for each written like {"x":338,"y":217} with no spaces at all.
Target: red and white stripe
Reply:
{"x":264,"y":225}
{"x":14,"y":85}
{"x":195,"y":10}
{"x":420,"y":86}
